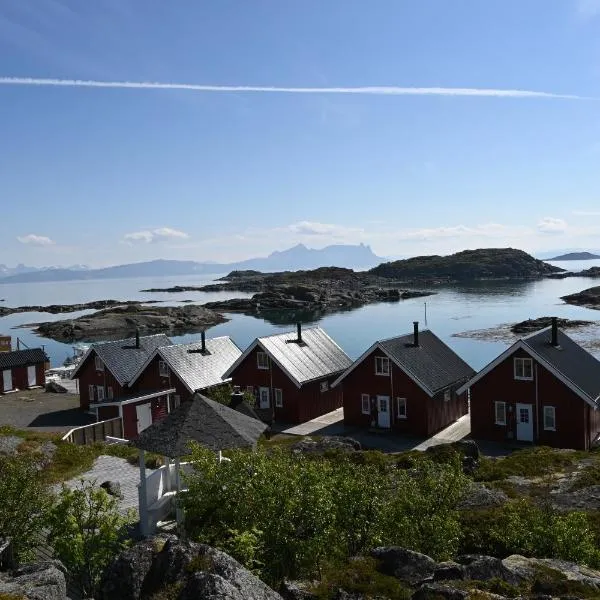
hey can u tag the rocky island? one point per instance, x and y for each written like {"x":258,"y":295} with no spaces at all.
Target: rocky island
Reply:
{"x":56,"y":309}
{"x":121,"y":320}
{"x":589,"y":298}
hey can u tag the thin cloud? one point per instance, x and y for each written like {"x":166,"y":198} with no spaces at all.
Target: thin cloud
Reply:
{"x":313,"y":228}
{"x":148,"y":236}
{"x":35,"y":240}
{"x":361,"y":90}
{"x":552,"y":225}
{"x":495,"y":230}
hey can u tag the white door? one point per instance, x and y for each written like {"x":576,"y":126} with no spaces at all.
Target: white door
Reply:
{"x":264,"y":397}
{"x":144,"y":416}
{"x":524,"y":423}
{"x":31,"y":376}
{"x":383,"y":411}
{"x":7,"y":380}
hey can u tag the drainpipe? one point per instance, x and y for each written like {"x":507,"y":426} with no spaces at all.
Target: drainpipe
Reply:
{"x":537,"y":405}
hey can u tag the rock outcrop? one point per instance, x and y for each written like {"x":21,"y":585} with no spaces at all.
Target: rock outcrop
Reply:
{"x":184,"y":570}
{"x":589,"y":298}
{"x":322,"y":445}
{"x":40,"y":581}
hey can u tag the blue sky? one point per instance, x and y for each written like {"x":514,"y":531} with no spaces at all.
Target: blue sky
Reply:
{"x":102,"y":175}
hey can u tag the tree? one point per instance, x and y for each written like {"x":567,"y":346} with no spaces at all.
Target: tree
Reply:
{"x":87,"y":532}
{"x":24,"y":501}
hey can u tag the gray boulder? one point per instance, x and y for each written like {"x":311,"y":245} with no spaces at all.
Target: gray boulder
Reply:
{"x":480,"y":496}
{"x":41,"y":581}
{"x":435,"y":591}
{"x":326,"y":443}
{"x":55,"y":388}
{"x":448,"y":571}
{"x":484,"y":568}
{"x":406,"y":565}
{"x":112,"y":488}
{"x":295,"y":590}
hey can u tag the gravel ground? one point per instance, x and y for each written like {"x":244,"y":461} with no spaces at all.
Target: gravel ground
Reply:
{"x":36,"y":409}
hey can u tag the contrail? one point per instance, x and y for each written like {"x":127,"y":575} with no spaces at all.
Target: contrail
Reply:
{"x":363,"y":90}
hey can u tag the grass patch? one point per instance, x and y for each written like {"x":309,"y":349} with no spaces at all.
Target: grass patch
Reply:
{"x":359,"y":576}
{"x":529,"y":462}
{"x":69,"y":461}
{"x":587,"y":477}
{"x":29,"y":435}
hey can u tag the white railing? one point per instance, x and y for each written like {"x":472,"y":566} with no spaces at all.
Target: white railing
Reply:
{"x":158,"y":484}
{"x":95,"y":432}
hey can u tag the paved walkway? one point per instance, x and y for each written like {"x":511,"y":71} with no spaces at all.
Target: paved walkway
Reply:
{"x":329,"y":424}
{"x":457,"y":431}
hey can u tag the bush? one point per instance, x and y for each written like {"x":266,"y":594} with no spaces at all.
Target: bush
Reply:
{"x":87,"y":532}
{"x":286,"y":515}
{"x":24,"y":500}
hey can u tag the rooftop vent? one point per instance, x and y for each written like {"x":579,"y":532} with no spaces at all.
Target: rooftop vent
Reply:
{"x":298,"y":340}
{"x":203,"y":349}
{"x":416,"y":334}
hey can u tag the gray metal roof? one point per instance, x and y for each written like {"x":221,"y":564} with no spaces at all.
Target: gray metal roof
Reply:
{"x":22,"y":358}
{"x":432,"y":363}
{"x":201,"y":420}
{"x":200,"y":371}
{"x":316,"y":357}
{"x":122,"y":358}
{"x":571,"y":360}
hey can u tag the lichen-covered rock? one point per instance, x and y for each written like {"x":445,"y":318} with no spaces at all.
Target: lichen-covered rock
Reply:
{"x":448,"y":571}
{"x":480,"y":496}
{"x":483,"y":568}
{"x":295,"y":590}
{"x":40,"y":581}
{"x":112,"y":488}
{"x":436,"y":591}
{"x":406,"y":565}
{"x":332,"y":442}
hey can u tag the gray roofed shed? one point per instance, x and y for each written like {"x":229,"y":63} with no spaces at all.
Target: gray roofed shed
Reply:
{"x":201,"y":420}
{"x":316,"y":357}
{"x":22,"y":358}
{"x":122,"y":357}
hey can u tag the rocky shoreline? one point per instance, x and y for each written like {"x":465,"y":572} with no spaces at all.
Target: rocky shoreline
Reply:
{"x":591,"y":272}
{"x":121,"y":321}
{"x":589,"y":298}
{"x":56,"y":309}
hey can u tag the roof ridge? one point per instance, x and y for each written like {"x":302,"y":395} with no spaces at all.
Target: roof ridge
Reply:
{"x":198,"y":343}
{"x":410,"y":334}
{"x":291,"y":332}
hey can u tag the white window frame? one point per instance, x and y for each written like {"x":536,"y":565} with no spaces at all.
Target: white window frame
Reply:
{"x":176,"y":401}
{"x":250,"y":389}
{"x":98,"y":363}
{"x":521,"y":362}
{"x":401,"y":414}
{"x":100,"y":393}
{"x":109,"y":393}
{"x":497,"y":405}
{"x":382,"y":366}
{"x":92,"y":392}
{"x":552,"y":410}
{"x":365,"y":408}
{"x":324,"y":386}
{"x":278,"y":393}
{"x":163,"y":368}
{"x":263,"y":364}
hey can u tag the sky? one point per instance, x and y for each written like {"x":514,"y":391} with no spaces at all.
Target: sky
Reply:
{"x":225,"y":129}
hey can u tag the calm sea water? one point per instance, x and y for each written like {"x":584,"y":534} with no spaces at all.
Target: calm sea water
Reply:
{"x":451,"y":310}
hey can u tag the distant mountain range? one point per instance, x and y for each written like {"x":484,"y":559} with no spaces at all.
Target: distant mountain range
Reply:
{"x":293,"y":259}
{"x":575,"y":256}
{"x":557,"y":253}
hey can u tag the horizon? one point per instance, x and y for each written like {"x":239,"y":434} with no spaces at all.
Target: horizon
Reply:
{"x":136,"y":132}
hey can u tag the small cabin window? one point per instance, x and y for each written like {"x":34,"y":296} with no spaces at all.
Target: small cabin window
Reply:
{"x":109,"y":393}
{"x":91,"y":392}
{"x":99,"y":364}
{"x":401,"y":408}
{"x":549,"y":418}
{"x":262,"y":360}
{"x":447,"y":395}
{"x":278,"y":398}
{"x":500,"y":412}
{"x":324,"y":386}
{"x":382,"y":365}
{"x":100,"y":392}
{"x":366,"y":404}
{"x":163,"y":368}
{"x":523,"y":368}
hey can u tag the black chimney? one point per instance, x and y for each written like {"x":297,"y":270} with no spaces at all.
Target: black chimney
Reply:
{"x":203,"y":339}
{"x":299,"y":327}
{"x":554,"y":341}
{"x":416,"y":334}
{"x":137,"y":337}
{"x":237,"y":397}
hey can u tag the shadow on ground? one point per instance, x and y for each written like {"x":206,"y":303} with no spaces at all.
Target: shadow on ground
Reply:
{"x":71,"y":417}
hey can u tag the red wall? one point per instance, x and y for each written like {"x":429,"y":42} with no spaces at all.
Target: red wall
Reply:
{"x":151,"y":381}
{"x":424,"y":415}
{"x":159,"y":412}
{"x":576,"y":421}
{"x":89,"y":376}
{"x":20,"y":380}
{"x":299,"y":404}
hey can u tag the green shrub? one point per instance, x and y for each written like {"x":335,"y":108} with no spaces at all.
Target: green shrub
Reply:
{"x":70,"y":460}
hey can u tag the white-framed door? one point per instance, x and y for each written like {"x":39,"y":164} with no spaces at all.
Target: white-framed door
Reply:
{"x":31,"y":376}
{"x":144,"y":416}
{"x":383,"y":411}
{"x":7,"y":384}
{"x":524,"y":418}
{"x":264,"y":400}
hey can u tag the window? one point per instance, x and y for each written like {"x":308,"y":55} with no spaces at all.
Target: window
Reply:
{"x":382,"y":365}
{"x":100,"y":392}
{"x":549,"y":418}
{"x":250,"y":389}
{"x":99,"y":364}
{"x":163,"y":368}
{"x":447,"y":395}
{"x":523,"y":368}
{"x":500,"y":409}
{"x":176,"y":401}
{"x":262,"y":360}
{"x":324,"y":386}
{"x":401,"y":408}
{"x":91,"y":393}
{"x":109,"y":393}
{"x":366,"y":404}
{"x":278,"y":398}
